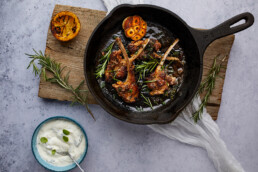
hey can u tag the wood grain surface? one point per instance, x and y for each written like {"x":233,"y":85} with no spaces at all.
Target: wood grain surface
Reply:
{"x":71,"y":54}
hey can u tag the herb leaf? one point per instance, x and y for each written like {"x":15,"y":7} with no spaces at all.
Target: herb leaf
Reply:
{"x":53,"y":152}
{"x":146,"y":67}
{"x":208,"y":85}
{"x":149,"y":81}
{"x":140,"y":109}
{"x":147,"y":101}
{"x":176,"y":53}
{"x":43,"y":140}
{"x":66,"y":139}
{"x":102,"y":67}
{"x":50,"y":65}
{"x":66,"y":132}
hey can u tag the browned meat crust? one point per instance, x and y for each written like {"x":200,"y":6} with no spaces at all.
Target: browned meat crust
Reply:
{"x":159,"y":81}
{"x":116,"y":68}
{"x":128,"y":89}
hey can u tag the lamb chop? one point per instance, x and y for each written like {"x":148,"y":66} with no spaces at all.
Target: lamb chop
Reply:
{"x":116,"y":68}
{"x":134,"y":46}
{"x":128,"y":89}
{"x":155,"y":55}
{"x":159,"y":81}
{"x":153,"y":46}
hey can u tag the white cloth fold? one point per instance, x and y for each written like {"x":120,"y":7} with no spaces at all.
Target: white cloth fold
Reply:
{"x":204,"y":134}
{"x":110,"y":4}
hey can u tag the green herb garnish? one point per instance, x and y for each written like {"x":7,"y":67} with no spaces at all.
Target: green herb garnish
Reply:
{"x":53,"y":152}
{"x":102,"y":84}
{"x":147,"y":101}
{"x":176,"y":53}
{"x":173,"y":92}
{"x":149,"y":81}
{"x":47,"y":64}
{"x":208,"y":85}
{"x":145,"y":89}
{"x":43,"y":140}
{"x":66,"y":139}
{"x":114,"y":77}
{"x":146,"y":67}
{"x":66,"y":132}
{"x":140,"y":109}
{"x":102,"y":66}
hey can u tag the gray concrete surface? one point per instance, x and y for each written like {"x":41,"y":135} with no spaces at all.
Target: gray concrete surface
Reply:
{"x":115,"y":145}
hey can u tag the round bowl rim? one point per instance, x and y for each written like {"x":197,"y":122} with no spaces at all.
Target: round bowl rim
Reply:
{"x":64,"y":118}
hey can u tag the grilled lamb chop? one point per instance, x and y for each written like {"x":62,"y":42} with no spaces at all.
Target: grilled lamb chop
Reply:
{"x":153,"y":46}
{"x":151,"y":49}
{"x":128,"y":89}
{"x":155,"y":55}
{"x":159,"y":81}
{"x":116,"y":68}
{"x":134,"y":46}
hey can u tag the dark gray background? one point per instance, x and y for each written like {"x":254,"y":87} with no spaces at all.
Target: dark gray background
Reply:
{"x":115,"y":145}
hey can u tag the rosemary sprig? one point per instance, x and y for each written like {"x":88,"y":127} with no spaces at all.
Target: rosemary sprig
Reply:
{"x":208,"y":85}
{"x":140,"y":109}
{"x":102,"y":66}
{"x":48,"y":64}
{"x":149,"y":81}
{"x":146,"y":67}
{"x":147,"y":101}
{"x":114,"y":77}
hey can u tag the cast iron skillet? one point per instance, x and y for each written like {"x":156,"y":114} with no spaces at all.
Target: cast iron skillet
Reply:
{"x":193,"y":42}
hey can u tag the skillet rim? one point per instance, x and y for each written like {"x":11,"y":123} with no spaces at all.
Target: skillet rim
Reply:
{"x":182,"y":106}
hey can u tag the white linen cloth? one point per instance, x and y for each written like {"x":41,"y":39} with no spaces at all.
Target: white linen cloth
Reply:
{"x":204,"y":134}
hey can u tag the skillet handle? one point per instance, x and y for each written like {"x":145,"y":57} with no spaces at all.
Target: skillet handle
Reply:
{"x":205,"y":37}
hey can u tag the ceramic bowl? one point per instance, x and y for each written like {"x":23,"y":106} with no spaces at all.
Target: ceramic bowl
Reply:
{"x":43,"y":162}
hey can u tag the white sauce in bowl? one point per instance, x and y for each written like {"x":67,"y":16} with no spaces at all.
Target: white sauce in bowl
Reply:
{"x":53,"y":132}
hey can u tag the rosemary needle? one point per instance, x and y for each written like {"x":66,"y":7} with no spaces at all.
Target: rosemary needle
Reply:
{"x":147,"y":101}
{"x":48,"y":64}
{"x":102,"y":67}
{"x":208,"y":85}
{"x":146,"y":67}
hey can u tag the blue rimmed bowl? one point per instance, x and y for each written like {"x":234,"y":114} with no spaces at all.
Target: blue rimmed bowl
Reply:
{"x":43,"y":162}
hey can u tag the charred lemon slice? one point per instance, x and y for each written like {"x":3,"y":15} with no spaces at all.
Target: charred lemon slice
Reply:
{"x":134,"y":27}
{"x":65,"y":26}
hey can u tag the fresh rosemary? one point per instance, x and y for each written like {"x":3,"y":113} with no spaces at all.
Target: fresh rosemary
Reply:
{"x":102,"y":66}
{"x":48,"y":64}
{"x":146,"y":67}
{"x":208,"y":85}
{"x":147,"y":101}
{"x":114,"y":77}
{"x":149,"y":81}
{"x":140,"y":109}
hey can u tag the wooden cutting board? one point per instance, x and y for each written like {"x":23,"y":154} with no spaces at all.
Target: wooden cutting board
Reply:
{"x":71,"y":54}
